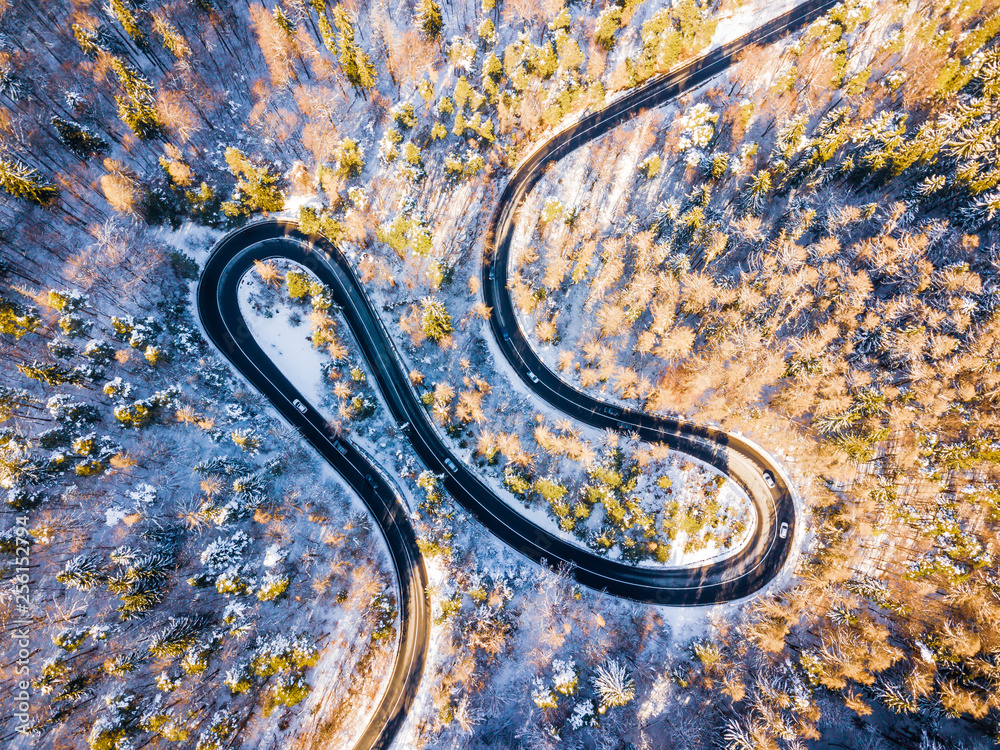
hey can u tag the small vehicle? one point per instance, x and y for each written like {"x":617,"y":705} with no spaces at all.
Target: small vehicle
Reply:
{"x":300,"y":406}
{"x":783,"y":531}
{"x":532,"y":377}
{"x":450,"y":464}
{"x":769,"y":479}
{"x":611,"y":411}
{"x":506,"y":336}
{"x":371,"y":480}
{"x":340,"y":447}
{"x":493,"y":274}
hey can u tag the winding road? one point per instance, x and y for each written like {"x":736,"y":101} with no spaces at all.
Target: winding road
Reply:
{"x":735,"y":577}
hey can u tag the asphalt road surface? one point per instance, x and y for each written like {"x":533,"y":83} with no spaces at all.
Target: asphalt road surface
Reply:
{"x":735,"y":577}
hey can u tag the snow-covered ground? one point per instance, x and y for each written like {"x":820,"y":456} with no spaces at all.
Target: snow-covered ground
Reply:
{"x":746,"y":18}
{"x":279,"y":328}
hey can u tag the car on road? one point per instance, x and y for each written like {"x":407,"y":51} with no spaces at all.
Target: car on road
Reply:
{"x":493,"y":274}
{"x":450,"y":464}
{"x":532,"y":377}
{"x":769,"y":479}
{"x":300,"y":406}
{"x":506,"y":336}
{"x":340,"y":447}
{"x":783,"y":531}
{"x":611,"y":411}
{"x":371,"y":480}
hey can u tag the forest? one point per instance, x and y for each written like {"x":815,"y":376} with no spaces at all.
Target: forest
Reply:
{"x":802,"y":250}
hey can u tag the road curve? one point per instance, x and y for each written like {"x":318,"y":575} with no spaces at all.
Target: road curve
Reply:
{"x":218,"y":307}
{"x":743,"y":461}
{"x":735,"y":577}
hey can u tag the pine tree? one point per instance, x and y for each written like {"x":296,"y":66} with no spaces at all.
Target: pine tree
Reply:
{"x":137,"y":107}
{"x":12,"y":398}
{"x":51,"y":374}
{"x":141,"y":597}
{"x":756,"y":193}
{"x":326,"y":32}
{"x":614,"y":684}
{"x":359,"y":69}
{"x":283,"y":21}
{"x":130,"y":22}
{"x":608,"y":22}
{"x":177,"y":637}
{"x":23,"y":182}
{"x":82,"y":572}
{"x":429,"y":18}
{"x":355,"y":62}
{"x":16,"y":319}
{"x":256,"y":187}
{"x":434,"y":318}
{"x":350,"y":161}
{"x":79,"y":139}
{"x":88,"y":39}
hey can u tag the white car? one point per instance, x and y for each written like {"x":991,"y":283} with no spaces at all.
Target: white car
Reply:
{"x":450,"y":464}
{"x":783,"y":531}
{"x":769,"y":479}
{"x":300,"y":406}
{"x":532,"y":377}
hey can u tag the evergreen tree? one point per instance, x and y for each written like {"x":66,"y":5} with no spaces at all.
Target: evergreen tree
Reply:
{"x":614,"y":684}
{"x":357,"y":67}
{"x":429,"y":18}
{"x":350,"y":161}
{"x":136,"y":107}
{"x":283,"y":21}
{"x":434,"y":318}
{"x":756,"y":192}
{"x":177,"y":637}
{"x":16,"y":319}
{"x":141,"y":597}
{"x":326,"y":32}
{"x":321,"y":222}
{"x":608,"y":22}
{"x":91,"y":41}
{"x":82,"y":572}
{"x":256,"y":187}
{"x":51,"y":374}
{"x":23,"y":182}
{"x":79,"y":139}
{"x":12,"y":398}
{"x":130,"y":22}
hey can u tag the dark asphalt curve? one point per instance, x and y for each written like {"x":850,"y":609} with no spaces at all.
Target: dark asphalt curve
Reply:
{"x":218,"y":307}
{"x":737,"y":576}
{"x":744,"y":462}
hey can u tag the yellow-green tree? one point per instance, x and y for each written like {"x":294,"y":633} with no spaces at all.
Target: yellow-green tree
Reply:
{"x":256,"y":187}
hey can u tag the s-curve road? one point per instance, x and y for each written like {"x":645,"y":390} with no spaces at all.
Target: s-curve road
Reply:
{"x":741,"y":460}
{"x":737,"y":576}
